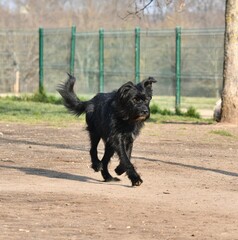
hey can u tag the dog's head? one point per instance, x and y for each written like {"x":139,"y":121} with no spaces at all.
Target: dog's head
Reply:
{"x":133,"y":100}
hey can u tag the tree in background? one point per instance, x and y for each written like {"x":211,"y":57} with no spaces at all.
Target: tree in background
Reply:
{"x":230,"y":78}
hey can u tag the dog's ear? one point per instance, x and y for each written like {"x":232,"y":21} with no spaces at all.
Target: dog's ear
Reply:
{"x":146,"y":85}
{"x":148,"y":82}
{"x":124,"y":90}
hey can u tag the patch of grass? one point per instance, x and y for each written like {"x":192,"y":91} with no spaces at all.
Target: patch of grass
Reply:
{"x":36,"y":97}
{"x":223,"y":133}
{"x":198,"y":102}
{"x":41,"y":108}
{"x":155,"y":109}
{"x":42,"y":97}
{"x":158,"y":118}
{"x":191,"y":111}
{"x":34,"y":112}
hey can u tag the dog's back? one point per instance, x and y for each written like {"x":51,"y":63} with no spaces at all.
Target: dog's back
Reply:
{"x":99,"y":113}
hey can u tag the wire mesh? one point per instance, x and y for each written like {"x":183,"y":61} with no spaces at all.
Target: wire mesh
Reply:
{"x":18,"y":61}
{"x":201,"y":61}
{"x":87,"y":63}
{"x":57,"y":46}
{"x":158,"y":60}
{"x":119,"y":58}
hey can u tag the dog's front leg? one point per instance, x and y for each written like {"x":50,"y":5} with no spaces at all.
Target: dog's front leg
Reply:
{"x":109,"y":151}
{"x":127,"y":165}
{"x":120,"y":169}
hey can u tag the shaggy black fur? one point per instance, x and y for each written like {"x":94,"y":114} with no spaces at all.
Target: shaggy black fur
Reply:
{"x":116,"y":118}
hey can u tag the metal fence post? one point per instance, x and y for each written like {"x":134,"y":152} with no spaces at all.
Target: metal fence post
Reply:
{"x":137,"y":55}
{"x":72,"y":50}
{"x":178,"y":68}
{"x":101,"y":60}
{"x":41,"y":60}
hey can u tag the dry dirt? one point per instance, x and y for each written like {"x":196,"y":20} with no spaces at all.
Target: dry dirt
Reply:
{"x":49,"y":191}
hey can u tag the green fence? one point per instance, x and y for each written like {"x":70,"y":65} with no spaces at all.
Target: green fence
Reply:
{"x":186,"y":63}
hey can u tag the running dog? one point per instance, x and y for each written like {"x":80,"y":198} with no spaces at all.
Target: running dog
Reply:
{"x":116,"y":118}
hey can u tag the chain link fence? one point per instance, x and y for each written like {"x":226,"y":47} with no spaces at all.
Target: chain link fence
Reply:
{"x":202,"y":54}
{"x":56,"y":57}
{"x":19,"y":55}
{"x":86,"y":67}
{"x":104,"y":60}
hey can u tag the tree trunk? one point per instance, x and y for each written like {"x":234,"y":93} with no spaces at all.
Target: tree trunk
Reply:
{"x":230,"y":74}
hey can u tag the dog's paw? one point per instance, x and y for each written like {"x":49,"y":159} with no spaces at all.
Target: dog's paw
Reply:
{"x":119,"y":170}
{"x":135,"y":179}
{"x":97,"y":166}
{"x":136,"y":182}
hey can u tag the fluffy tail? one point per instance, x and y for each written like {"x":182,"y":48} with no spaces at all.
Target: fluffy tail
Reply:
{"x":71,"y":101}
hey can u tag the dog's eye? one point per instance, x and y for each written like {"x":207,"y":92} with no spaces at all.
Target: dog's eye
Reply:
{"x":136,"y":100}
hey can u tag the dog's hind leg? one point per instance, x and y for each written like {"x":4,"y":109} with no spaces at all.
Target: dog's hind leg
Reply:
{"x":96,"y":163}
{"x":109,"y":151}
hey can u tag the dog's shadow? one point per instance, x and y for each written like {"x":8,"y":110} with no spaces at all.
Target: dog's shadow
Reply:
{"x":51,"y":173}
{"x":60,"y":175}
{"x":218,"y":171}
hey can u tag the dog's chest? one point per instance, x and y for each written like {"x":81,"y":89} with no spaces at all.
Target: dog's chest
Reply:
{"x":129,"y":137}
{"x":131,"y":134}
{"x":126,"y":133}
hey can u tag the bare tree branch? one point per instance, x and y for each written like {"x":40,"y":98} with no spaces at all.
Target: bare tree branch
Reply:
{"x":137,"y":10}
{"x":179,"y":6}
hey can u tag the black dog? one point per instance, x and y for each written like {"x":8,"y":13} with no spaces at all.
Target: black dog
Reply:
{"x":116,"y":118}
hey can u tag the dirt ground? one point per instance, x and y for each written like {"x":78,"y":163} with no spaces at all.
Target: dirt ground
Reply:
{"x":49,"y":191}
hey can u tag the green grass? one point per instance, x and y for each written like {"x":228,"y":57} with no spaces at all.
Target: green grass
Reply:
{"x":191,"y":111}
{"x":167,"y":102}
{"x":34,"y":112}
{"x":40,"y":108}
{"x":164,"y":102}
{"x":223,"y":133}
{"x":158,"y":118}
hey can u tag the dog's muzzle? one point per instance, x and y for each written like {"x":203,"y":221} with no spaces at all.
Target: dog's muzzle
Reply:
{"x":143,"y":115}
{"x":141,"y":118}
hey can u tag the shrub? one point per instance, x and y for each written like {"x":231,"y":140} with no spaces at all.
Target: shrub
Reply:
{"x":192,"y":112}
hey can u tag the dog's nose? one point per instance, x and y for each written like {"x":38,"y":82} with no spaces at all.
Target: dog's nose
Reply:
{"x":145,"y":112}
